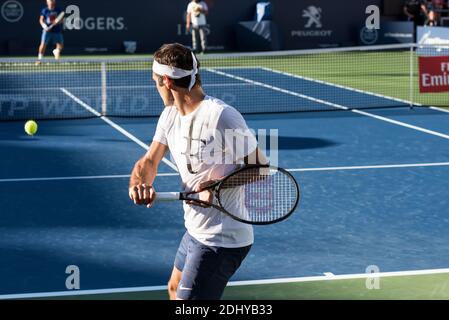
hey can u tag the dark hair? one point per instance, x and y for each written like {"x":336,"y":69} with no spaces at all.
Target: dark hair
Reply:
{"x":178,"y":56}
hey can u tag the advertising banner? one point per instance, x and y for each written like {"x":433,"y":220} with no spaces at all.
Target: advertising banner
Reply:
{"x":435,"y":37}
{"x":321,"y":23}
{"x":434,"y":74}
{"x":390,"y":32}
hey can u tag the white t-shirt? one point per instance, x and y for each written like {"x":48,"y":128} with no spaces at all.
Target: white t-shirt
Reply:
{"x":199,"y":20}
{"x":213,"y":121}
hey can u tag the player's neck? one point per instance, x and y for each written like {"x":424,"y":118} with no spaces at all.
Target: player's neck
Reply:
{"x":188,"y":102}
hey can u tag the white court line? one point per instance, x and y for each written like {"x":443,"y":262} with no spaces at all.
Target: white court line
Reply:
{"x":116,"y":176}
{"x":382,"y":166}
{"x":331,"y":104}
{"x":114,"y":125}
{"x":341,"y":86}
{"x":340,"y":277}
{"x":353,"y":89}
{"x":231,"y":284}
{"x":79,"y":292}
{"x":439,"y":109}
{"x":386,"y":166}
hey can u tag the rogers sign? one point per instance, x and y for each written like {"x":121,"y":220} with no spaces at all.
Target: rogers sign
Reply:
{"x":97,"y":24}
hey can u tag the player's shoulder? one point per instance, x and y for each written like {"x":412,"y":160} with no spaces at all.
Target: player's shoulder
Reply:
{"x":168,"y":112}
{"x":224,"y":113}
{"x":215,"y":104}
{"x":167,"y":117}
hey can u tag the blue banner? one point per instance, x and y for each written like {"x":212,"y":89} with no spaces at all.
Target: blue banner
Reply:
{"x":390,"y":32}
{"x":433,"y":41}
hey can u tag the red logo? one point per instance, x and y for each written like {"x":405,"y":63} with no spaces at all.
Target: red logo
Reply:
{"x":434,"y":74}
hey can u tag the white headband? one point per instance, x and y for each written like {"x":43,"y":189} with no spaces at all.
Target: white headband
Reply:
{"x":177,"y":73}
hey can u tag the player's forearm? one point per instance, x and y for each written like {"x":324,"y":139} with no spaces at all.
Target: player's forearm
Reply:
{"x":42,"y":23}
{"x":144,"y":171}
{"x":424,"y":9}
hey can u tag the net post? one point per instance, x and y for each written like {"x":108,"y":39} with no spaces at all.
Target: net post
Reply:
{"x":104,"y":92}
{"x":411,"y":97}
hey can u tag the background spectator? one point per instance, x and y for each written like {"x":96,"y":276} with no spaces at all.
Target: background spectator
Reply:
{"x":416,"y":11}
{"x":196,"y":20}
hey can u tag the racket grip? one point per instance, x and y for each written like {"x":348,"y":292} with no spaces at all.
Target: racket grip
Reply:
{"x":167,"y":196}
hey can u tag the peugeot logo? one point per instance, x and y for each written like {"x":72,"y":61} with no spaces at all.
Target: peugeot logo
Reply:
{"x":314,"y":15}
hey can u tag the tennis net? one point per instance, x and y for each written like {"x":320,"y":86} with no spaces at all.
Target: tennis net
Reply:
{"x":268,"y":82}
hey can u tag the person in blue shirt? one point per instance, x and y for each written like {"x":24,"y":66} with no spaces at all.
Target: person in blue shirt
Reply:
{"x":52,"y":31}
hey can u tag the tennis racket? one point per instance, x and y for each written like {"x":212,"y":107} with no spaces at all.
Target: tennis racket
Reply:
{"x":57,"y":20}
{"x":254,"y":194}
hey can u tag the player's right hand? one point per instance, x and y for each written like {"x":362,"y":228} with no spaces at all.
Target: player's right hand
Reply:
{"x":142,"y":194}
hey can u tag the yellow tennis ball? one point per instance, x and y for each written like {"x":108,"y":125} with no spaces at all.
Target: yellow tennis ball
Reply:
{"x":31,"y":127}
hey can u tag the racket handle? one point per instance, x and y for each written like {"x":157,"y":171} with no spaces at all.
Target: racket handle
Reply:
{"x":167,"y":196}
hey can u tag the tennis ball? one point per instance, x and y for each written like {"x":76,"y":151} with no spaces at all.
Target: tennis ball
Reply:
{"x":31,"y":127}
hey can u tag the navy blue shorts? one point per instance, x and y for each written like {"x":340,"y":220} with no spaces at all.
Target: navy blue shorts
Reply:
{"x":205,"y":270}
{"x":52,"y":37}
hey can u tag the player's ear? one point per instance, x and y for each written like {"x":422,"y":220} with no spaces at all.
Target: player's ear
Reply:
{"x":168,"y":82}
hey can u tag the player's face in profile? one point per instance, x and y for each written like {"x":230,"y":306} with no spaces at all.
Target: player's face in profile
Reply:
{"x":51,"y":4}
{"x":164,"y":92}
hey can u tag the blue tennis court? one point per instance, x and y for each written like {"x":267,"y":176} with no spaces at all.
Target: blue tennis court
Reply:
{"x":374,"y":183}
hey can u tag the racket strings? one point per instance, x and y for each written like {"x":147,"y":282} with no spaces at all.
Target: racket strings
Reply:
{"x":259,"y":195}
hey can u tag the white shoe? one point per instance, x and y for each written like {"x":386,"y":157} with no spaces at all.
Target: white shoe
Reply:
{"x":57,"y":54}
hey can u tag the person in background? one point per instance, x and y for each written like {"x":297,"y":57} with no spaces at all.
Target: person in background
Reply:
{"x":434,"y":12}
{"x":196,"y":20}
{"x":416,"y":11}
{"x":53,"y":34}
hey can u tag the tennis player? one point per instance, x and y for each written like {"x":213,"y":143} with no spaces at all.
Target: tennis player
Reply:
{"x":51,"y":35}
{"x":214,"y":245}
